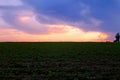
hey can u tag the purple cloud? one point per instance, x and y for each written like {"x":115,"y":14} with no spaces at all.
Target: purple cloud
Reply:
{"x":11,"y":16}
{"x":89,"y":15}
{"x":80,"y":11}
{"x":71,"y":12}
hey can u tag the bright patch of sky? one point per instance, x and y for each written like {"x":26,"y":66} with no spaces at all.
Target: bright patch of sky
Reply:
{"x":92,"y":18}
{"x":10,"y":3}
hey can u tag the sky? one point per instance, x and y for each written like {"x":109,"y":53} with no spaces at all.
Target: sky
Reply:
{"x":59,"y":20}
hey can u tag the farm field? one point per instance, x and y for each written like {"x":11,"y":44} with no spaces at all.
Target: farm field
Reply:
{"x":59,"y":61}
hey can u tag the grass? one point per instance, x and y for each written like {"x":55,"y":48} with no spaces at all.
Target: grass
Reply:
{"x":59,"y":61}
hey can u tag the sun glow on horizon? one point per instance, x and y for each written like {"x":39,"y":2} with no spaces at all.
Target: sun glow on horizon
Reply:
{"x":76,"y":34}
{"x":56,"y":33}
{"x":34,"y":20}
{"x":38,"y":31}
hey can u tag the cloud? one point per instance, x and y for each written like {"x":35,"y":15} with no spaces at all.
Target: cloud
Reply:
{"x":43,"y":12}
{"x":13,"y":35}
{"x":68,"y":33}
{"x":70,"y":12}
{"x":14,"y":17}
{"x":43,"y":17}
{"x":10,"y":2}
{"x":106,"y":11}
{"x":37,"y":21}
{"x":79,"y":12}
{"x":63,"y":9}
{"x":72,"y":33}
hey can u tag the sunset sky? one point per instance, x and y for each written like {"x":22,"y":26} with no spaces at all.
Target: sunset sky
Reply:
{"x":59,"y":20}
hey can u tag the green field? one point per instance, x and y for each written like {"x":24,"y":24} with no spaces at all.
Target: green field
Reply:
{"x":59,"y":61}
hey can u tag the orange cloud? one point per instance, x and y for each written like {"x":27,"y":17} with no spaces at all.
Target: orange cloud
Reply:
{"x":24,"y":18}
{"x":56,"y":33}
{"x":56,"y":29}
{"x":77,"y":34}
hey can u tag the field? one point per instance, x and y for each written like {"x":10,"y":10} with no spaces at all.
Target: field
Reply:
{"x":59,"y":61}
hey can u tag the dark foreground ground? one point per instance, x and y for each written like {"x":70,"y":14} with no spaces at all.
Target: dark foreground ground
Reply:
{"x":59,"y":61}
